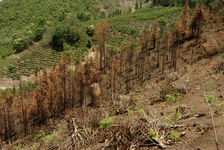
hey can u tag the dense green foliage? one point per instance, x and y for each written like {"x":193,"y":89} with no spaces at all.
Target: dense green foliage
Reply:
{"x":19,"y":44}
{"x":63,"y":35}
{"x":65,"y":25}
{"x":25,"y":19}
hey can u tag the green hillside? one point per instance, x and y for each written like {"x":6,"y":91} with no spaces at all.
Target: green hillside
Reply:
{"x":20,"y":18}
{"x":27,"y":27}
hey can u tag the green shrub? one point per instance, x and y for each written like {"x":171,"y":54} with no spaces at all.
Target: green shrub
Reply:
{"x":19,"y":45}
{"x":83,"y":16}
{"x":62,"y":35}
{"x":90,"y":30}
{"x":58,"y":38}
{"x":71,"y":36}
{"x":38,"y":33}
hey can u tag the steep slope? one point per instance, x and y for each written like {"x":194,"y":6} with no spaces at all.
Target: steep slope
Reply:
{"x":169,"y":110}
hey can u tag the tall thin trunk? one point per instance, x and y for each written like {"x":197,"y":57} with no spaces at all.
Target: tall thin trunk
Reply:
{"x":104,"y":51}
{"x":9,"y":122}
{"x":163,"y":65}
{"x":64,"y":83}
{"x":5,"y":126}
{"x":158,"y":54}
{"x":23,"y":114}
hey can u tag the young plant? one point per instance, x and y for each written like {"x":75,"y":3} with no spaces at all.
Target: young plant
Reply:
{"x":208,"y":100}
{"x":171,"y":120}
{"x":141,"y":111}
{"x":174,"y":135}
{"x":174,"y":97}
{"x":170,"y":97}
{"x":107,"y":122}
{"x":83,"y":133}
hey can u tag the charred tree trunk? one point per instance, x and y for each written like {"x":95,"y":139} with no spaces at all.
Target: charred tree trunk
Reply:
{"x":158,"y":54}
{"x":163,"y":64}
{"x":6,"y":133}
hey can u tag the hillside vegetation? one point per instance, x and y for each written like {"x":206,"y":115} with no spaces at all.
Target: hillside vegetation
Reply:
{"x":33,"y":30}
{"x":140,"y":86}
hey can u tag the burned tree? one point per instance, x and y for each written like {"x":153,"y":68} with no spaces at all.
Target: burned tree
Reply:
{"x":166,"y":46}
{"x":177,"y":34}
{"x":198,"y":18}
{"x":155,"y":35}
{"x":101,"y":35}
{"x":185,"y":21}
{"x":81,"y":85}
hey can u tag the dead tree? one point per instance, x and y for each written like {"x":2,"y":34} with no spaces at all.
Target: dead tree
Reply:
{"x":177,"y":33}
{"x":185,"y":21}
{"x":199,"y":17}
{"x":101,"y":35}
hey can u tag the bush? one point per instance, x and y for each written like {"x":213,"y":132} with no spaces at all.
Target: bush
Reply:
{"x":90,"y":30}
{"x":58,"y":38}
{"x":19,"y":45}
{"x":71,"y":36}
{"x":62,"y":35}
{"x":38,"y":33}
{"x":83,"y":16}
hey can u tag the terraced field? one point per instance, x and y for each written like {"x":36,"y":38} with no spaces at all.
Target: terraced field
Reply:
{"x":145,"y":17}
{"x":25,"y":63}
